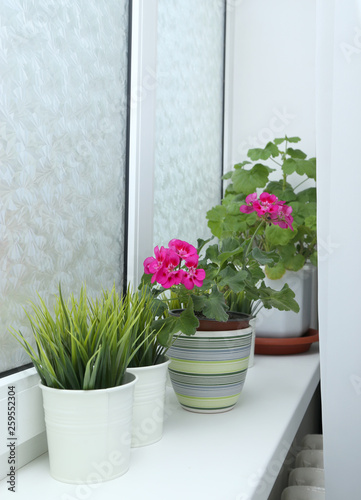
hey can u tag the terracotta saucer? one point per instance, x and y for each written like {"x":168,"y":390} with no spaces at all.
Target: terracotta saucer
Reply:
{"x":286,"y":345}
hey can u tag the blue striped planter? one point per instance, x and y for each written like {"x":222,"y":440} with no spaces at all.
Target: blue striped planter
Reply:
{"x":208,"y":370}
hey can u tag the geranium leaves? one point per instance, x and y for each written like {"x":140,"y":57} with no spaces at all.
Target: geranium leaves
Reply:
{"x":186,"y":323}
{"x":300,"y":166}
{"x":277,"y":236}
{"x":283,"y":299}
{"x":251,"y":176}
{"x":233,"y":278}
{"x":213,"y":305}
{"x":265,"y":257}
{"x":247,"y":181}
{"x":269,"y":150}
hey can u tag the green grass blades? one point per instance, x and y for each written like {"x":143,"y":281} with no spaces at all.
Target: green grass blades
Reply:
{"x":87,"y":343}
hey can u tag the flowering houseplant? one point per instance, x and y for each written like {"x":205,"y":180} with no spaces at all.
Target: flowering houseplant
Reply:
{"x":295,"y":246}
{"x":204,"y":286}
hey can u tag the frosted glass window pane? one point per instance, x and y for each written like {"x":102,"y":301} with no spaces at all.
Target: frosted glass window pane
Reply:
{"x":188,"y":160}
{"x":62,"y":152}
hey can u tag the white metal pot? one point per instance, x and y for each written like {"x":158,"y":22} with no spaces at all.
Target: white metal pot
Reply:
{"x":148,"y":406}
{"x":275,"y":323}
{"x":89,"y":432}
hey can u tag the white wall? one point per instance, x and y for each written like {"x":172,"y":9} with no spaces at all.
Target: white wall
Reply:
{"x":339,"y":178}
{"x":274,"y":74}
{"x":274,"y":92}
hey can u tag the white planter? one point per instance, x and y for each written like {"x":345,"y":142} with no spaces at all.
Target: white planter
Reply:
{"x":148,"y":406}
{"x":274,"y":323}
{"x":89,"y":432}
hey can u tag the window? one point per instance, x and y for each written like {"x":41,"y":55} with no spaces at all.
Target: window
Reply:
{"x":62,"y":152}
{"x":189,"y":118}
{"x":66,"y":111}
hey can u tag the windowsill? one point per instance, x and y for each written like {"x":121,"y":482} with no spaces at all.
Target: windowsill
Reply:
{"x":230,"y":456}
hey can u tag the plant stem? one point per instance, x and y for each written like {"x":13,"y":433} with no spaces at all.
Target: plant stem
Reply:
{"x":279,"y":164}
{"x":283,"y":160}
{"x":298,"y":185}
{"x":247,"y":252}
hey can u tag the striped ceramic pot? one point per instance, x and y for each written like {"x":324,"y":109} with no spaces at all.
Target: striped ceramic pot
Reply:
{"x":208,"y":370}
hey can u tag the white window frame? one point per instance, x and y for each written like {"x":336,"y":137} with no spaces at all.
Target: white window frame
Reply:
{"x":31,"y":440}
{"x":142,"y":136}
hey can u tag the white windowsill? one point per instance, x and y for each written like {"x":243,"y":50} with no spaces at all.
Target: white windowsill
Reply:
{"x":228,"y":456}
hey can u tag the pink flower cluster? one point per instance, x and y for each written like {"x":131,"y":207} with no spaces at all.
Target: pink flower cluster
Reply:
{"x":166,"y":265}
{"x":269,"y":208}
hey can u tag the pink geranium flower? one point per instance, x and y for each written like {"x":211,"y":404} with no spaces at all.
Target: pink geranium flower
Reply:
{"x":167,"y":278}
{"x":269,"y":208}
{"x":151,"y":264}
{"x":267,"y":203}
{"x":249,"y":208}
{"x":283,"y":218}
{"x":182,"y":248}
{"x":194,"y":277}
{"x":166,"y":265}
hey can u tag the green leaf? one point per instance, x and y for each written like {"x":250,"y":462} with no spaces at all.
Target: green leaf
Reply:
{"x":199,"y":300}
{"x":187,"y":321}
{"x":223,"y":223}
{"x":228,"y":249}
{"x":307,"y":195}
{"x":202,"y":243}
{"x":279,"y":141}
{"x":276,"y":272}
{"x":276,"y":188}
{"x":166,"y":328}
{"x":310,"y":168}
{"x":263,"y":154}
{"x":293,"y":139}
{"x":296,"y":153}
{"x":289,"y":166}
{"x":227,"y":176}
{"x":215,"y":306}
{"x":282,"y":300}
{"x":233,"y":279}
{"x":291,"y":259}
{"x":247,"y":181}
{"x":306,"y":167}
{"x":242,"y":164}
{"x":289,"y":139}
{"x":313,"y":259}
{"x":295,"y":263}
{"x":212,"y":253}
{"x":265,"y":257}
{"x":255,"y":271}
{"x":276,"y":235}
{"x":229,"y":245}
{"x":302,"y":210}
{"x":311,"y":222}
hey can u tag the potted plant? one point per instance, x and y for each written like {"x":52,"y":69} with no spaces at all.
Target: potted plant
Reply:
{"x":150,"y":365}
{"x":209,"y":356}
{"x":81,"y":353}
{"x":296,"y":248}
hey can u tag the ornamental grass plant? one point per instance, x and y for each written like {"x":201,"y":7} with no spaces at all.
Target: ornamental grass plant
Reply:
{"x":86,"y":343}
